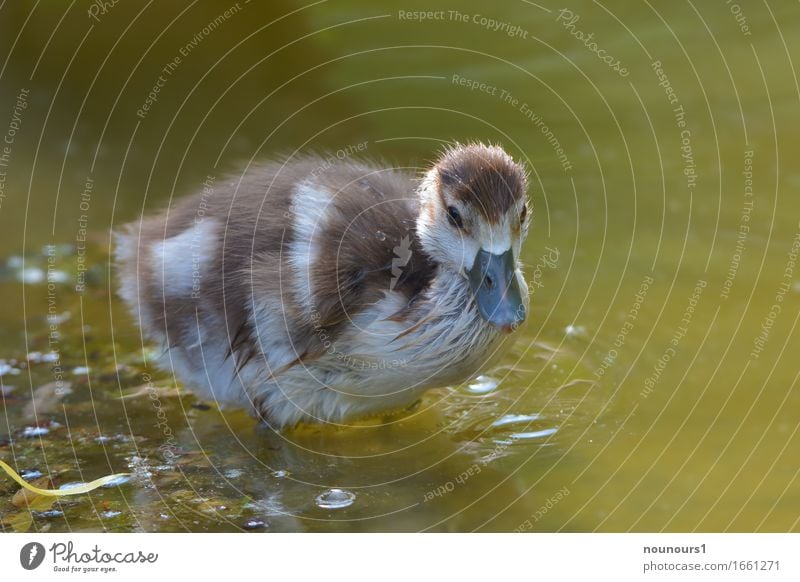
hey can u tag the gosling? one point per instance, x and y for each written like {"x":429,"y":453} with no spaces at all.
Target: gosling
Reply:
{"x":311,"y":291}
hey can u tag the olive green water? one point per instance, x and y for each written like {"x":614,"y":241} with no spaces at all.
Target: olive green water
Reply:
{"x":654,"y":386}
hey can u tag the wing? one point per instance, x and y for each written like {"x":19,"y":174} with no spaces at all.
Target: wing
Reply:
{"x":276,"y":261}
{"x":363,"y":243}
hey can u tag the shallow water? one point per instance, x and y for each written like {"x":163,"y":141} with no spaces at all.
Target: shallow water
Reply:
{"x":654,"y":384}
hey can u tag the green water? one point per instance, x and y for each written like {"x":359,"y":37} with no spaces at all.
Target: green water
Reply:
{"x":654,"y":386}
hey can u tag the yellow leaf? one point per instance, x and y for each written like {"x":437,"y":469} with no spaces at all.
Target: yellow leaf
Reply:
{"x":85,"y":488}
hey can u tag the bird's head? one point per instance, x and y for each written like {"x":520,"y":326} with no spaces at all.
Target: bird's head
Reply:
{"x":473,"y":219}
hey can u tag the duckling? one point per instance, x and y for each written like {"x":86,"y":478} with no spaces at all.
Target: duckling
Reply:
{"x":311,"y":291}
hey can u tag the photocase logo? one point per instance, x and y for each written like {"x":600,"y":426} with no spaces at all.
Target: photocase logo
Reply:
{"x":402,"y":254}
{"x":31,"y":555}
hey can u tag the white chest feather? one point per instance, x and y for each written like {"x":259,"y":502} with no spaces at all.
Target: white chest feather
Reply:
{"x":381,"y":362}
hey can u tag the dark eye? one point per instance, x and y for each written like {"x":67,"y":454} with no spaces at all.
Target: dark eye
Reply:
{"x":455,"y":217}
{"x":523,"y":214}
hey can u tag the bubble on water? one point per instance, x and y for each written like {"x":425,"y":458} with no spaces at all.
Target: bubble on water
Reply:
{"x":103,"y":438}
{"x":57,"y":250}
{"x":140,"y":467}
{"x":253,"y":524}
{"x":483,"y":385}
{"x":48,"y":514}
{"x":335,"y":499}
{"x":536,"y":434}
{"x":280,"y":474}
{"x":233,"y":473}
{"x":575,"y":331}
{"x":6,"y":369}
{"x":380,"y":235}
{"x":31,"y":474}
{"x":48,"y":357}
{"x":117,"y":481}
{"x":31,"y":275}
{"x":57,"y":276}
{"x":59,"y":318}
{"x":34,"y":431}
{"x":110,"y":514}
{"x":14,"y":262}
{"x":72,"y":485}
{"x":80,"y":371}
{"x":515,"y":419}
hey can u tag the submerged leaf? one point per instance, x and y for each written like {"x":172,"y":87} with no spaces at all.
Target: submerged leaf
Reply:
{"x":77,"y":490}
{"x":27,"y":498}
{"x":20,"y":521}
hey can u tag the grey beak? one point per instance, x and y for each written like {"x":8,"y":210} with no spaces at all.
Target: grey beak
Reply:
{"x":497,"y":293}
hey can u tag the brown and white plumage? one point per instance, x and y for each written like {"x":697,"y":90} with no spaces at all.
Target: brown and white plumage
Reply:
{"x":316,"y":292}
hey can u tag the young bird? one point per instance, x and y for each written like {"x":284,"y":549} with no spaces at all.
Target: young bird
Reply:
{"x":319,"y":291}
